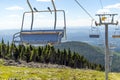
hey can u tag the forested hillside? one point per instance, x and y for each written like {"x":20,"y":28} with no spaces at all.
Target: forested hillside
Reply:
{"x":92,"y":53}
{"x":46,"y":54}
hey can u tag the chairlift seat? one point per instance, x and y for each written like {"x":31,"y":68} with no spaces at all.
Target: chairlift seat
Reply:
{"x":41,"y":36}
{"x":115,"y":36}
{"x":94,"y":36}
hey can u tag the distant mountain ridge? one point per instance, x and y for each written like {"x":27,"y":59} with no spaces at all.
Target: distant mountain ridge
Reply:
{"x":92,"y":53}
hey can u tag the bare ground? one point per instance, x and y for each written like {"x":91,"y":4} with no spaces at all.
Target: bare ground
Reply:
{"x":31,"y":64}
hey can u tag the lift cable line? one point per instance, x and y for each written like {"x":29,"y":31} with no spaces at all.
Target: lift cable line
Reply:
{"x":84,"y":9}
{"x":94,"y":32}
{"x":101,"y":4}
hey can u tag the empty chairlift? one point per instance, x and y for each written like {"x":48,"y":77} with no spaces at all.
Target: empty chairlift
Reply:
{"x":116,"y":33}
{"x":52,"y":36}
{"x":94,"y":32}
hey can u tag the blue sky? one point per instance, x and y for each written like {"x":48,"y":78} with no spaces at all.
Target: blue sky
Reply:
{"x":12,"y":10}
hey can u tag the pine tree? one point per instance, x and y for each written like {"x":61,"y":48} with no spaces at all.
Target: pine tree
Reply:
{"x":16,"y":53}
{"x":74,"y":59}
{"x":39,"y":53}
{"x":35,"y":56}
{"x":58,"y":55}
{"x":7,"y":49}
{"x":65,"y":56}
{"x":8,"y":54}
{"x":51,"y":55}
{"x":3,"y":49}
{"x":22,"y":52}
{"x":28,"y":54}
{"x":69,"y":57}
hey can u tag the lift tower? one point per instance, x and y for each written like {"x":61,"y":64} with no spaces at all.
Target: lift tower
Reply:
{"x":106,"y":19}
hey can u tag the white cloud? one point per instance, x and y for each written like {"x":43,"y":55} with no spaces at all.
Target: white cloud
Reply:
{"x":114,"y":6}
{"x":103,"y":11}
{"x":44,"y":0}
{"x":14,"y":8}
{"x":109,"y":8}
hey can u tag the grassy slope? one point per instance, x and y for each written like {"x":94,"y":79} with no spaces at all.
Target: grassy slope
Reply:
{"x":22,"y":73}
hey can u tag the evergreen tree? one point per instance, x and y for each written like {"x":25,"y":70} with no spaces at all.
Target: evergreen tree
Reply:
{"x":39,"y":53}
{"x":11,"y":51}
{"x":35,"y":56}
{"x":58,"y":56}
{"x":7,"y":49}
{"x":69,"y":57}
{"x":3,"y":49}
{"x":74,"y":59}
{"x":22,"y":51}
{"x":15,"y":53}
{"x":8,"y":54}
{"x":65,"y":57}
{"x":28,"y":54}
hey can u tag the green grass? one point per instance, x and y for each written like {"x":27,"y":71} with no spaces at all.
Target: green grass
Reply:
{"x":24,"y":73}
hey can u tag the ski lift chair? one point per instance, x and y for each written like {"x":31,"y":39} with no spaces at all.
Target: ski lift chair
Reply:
{"x":116,"y":33}
{"x":94,"y":33}
{"x":51,"y":36}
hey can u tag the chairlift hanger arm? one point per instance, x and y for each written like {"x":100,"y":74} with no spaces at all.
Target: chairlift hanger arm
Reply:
{"x":55,"y":13}
{"x":32,"y":13}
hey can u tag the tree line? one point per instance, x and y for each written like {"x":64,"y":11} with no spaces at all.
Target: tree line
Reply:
{"x":46,"y":54}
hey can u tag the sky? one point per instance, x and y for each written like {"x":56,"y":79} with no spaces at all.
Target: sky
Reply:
{"x":12,"y":10}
